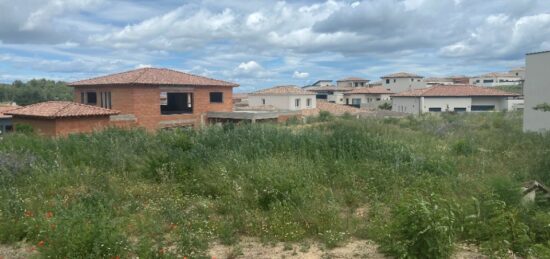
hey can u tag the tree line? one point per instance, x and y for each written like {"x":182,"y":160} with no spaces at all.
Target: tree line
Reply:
{"x":35,"y":91}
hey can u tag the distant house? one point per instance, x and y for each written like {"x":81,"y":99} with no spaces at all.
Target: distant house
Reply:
{"x":330,"y":94}
{"x":402,"y":81}
{"x":352,"y":82}
{"x":6,"y":124}
{"x":283,"y":98}
{"x":431,"y":81}
{"x":496,"y":79}
{"x":537,"y":92}
{"x":322,"y":83}
{"x":156,"y":98}
{"x":62,"y":118}
{"x":367,"y":96}
{"x":519,"y":72}
{"x":456,"y":98}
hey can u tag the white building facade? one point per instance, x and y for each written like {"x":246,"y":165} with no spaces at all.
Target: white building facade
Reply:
{"x":287,"y":98}
{"x":367,"y":97}
{"x":537,"y":92}
{"x":352,"y":82}
{"x":461,"y":98}
{"x":496,"y":79}
{"x":400,"y":82}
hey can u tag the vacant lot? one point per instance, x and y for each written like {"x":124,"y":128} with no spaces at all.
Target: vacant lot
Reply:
{"x":418,"y":187}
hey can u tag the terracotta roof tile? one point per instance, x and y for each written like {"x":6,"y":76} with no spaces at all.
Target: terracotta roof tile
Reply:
{"x":283,"y":90}
{"x":402,"y":75}
{"x":370,"y":90}
{"x":58,"y":109}
{"x":7,"y":108}
{"x":454,"y":90}
{"x":152,"y":76}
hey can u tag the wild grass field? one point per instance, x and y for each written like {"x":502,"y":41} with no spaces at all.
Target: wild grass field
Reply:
{"x":418,"y":187}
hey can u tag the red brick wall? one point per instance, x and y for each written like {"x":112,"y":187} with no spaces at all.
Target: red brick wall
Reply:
{"x":64,"y":126}
{"x":40,"y":126}
{"x":144,"y":103}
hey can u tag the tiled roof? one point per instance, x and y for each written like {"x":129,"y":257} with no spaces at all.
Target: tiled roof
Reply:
{"x":283,"y":90}
{"x":369,"y":90}
{"x":153,"y":76}
{"x":402,"y":75}
{"x":58,"y":109}
{"x":329,"y":88}
{"x":7,"y":108}
{"x":454,"y":90}
{"x":353,"y":79}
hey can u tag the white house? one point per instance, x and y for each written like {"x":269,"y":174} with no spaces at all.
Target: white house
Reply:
{"x":352,"y":82}
{"x":402,"y":81}
{"x":283,"y":98}
{"x":519,"y":72}
{"x":367,"y":96}
{"x":537,"y":92}
{"x":456,"y":98}
{"x":431,"y":81}
{"x":322,"y":83}
{"x":330,"y":94}
{"x":496,"y":79}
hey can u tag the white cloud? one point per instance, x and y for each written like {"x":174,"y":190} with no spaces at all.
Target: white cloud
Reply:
{"x":300,"y":75}
{"x":144,"y":66}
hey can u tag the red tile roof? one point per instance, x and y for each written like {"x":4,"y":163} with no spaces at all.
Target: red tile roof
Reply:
{"x":153,"y":76}
{"x":402,"y":75}
{"x":369,"y":90}
{"x":7,"y":108}
{"x":52,"y":110}
{"x":283,"y":90}
{"x":455,"y":90}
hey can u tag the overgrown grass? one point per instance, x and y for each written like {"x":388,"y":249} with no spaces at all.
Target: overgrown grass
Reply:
{"x":427,"y":184}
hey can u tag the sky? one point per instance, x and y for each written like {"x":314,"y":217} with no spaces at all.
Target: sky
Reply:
{"x":263,"y":43}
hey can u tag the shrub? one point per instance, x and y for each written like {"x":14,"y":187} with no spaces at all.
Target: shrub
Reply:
{"x":421,"y":228}
{"x":325,"y":116}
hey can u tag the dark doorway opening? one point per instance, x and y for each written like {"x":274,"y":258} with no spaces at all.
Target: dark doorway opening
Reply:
{"x":177,"y":103}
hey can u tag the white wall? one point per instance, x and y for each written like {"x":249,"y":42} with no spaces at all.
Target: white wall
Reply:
{"x":352,"y":83}
{"x":447,"y":104}
{"x":415,"y":105}
{"x":367,"y":98}
{"x":497,"y":81}
{"x":398,"y":85}
{"x":283,"y":102}
{"x":406,"y":104}
{"x":537,"y":91}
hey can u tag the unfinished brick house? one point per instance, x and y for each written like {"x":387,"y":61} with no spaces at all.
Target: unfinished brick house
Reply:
{"x":62,"y":118}
{"x":156,"y":98}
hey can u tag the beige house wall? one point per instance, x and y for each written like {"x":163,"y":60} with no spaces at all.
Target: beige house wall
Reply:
{"x":397,"y":85}
{"x":283,"y":102}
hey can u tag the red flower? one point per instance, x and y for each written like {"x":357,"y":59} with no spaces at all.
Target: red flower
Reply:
{"x":49,"y":214}
{"x":29,"y":214}
{"x":41,"y":243}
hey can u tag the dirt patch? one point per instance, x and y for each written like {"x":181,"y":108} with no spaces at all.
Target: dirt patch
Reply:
{"x":17,"y":251}
{"x":253,"y":248}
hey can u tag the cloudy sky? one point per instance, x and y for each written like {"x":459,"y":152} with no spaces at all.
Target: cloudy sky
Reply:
{"x":262,"y":43}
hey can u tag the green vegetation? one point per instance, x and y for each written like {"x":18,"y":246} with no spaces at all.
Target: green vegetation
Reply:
{"x":418,"y":186}
{"x":545,"y":107}
{"x":35,"y":91}
{"x":518,"y":89}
